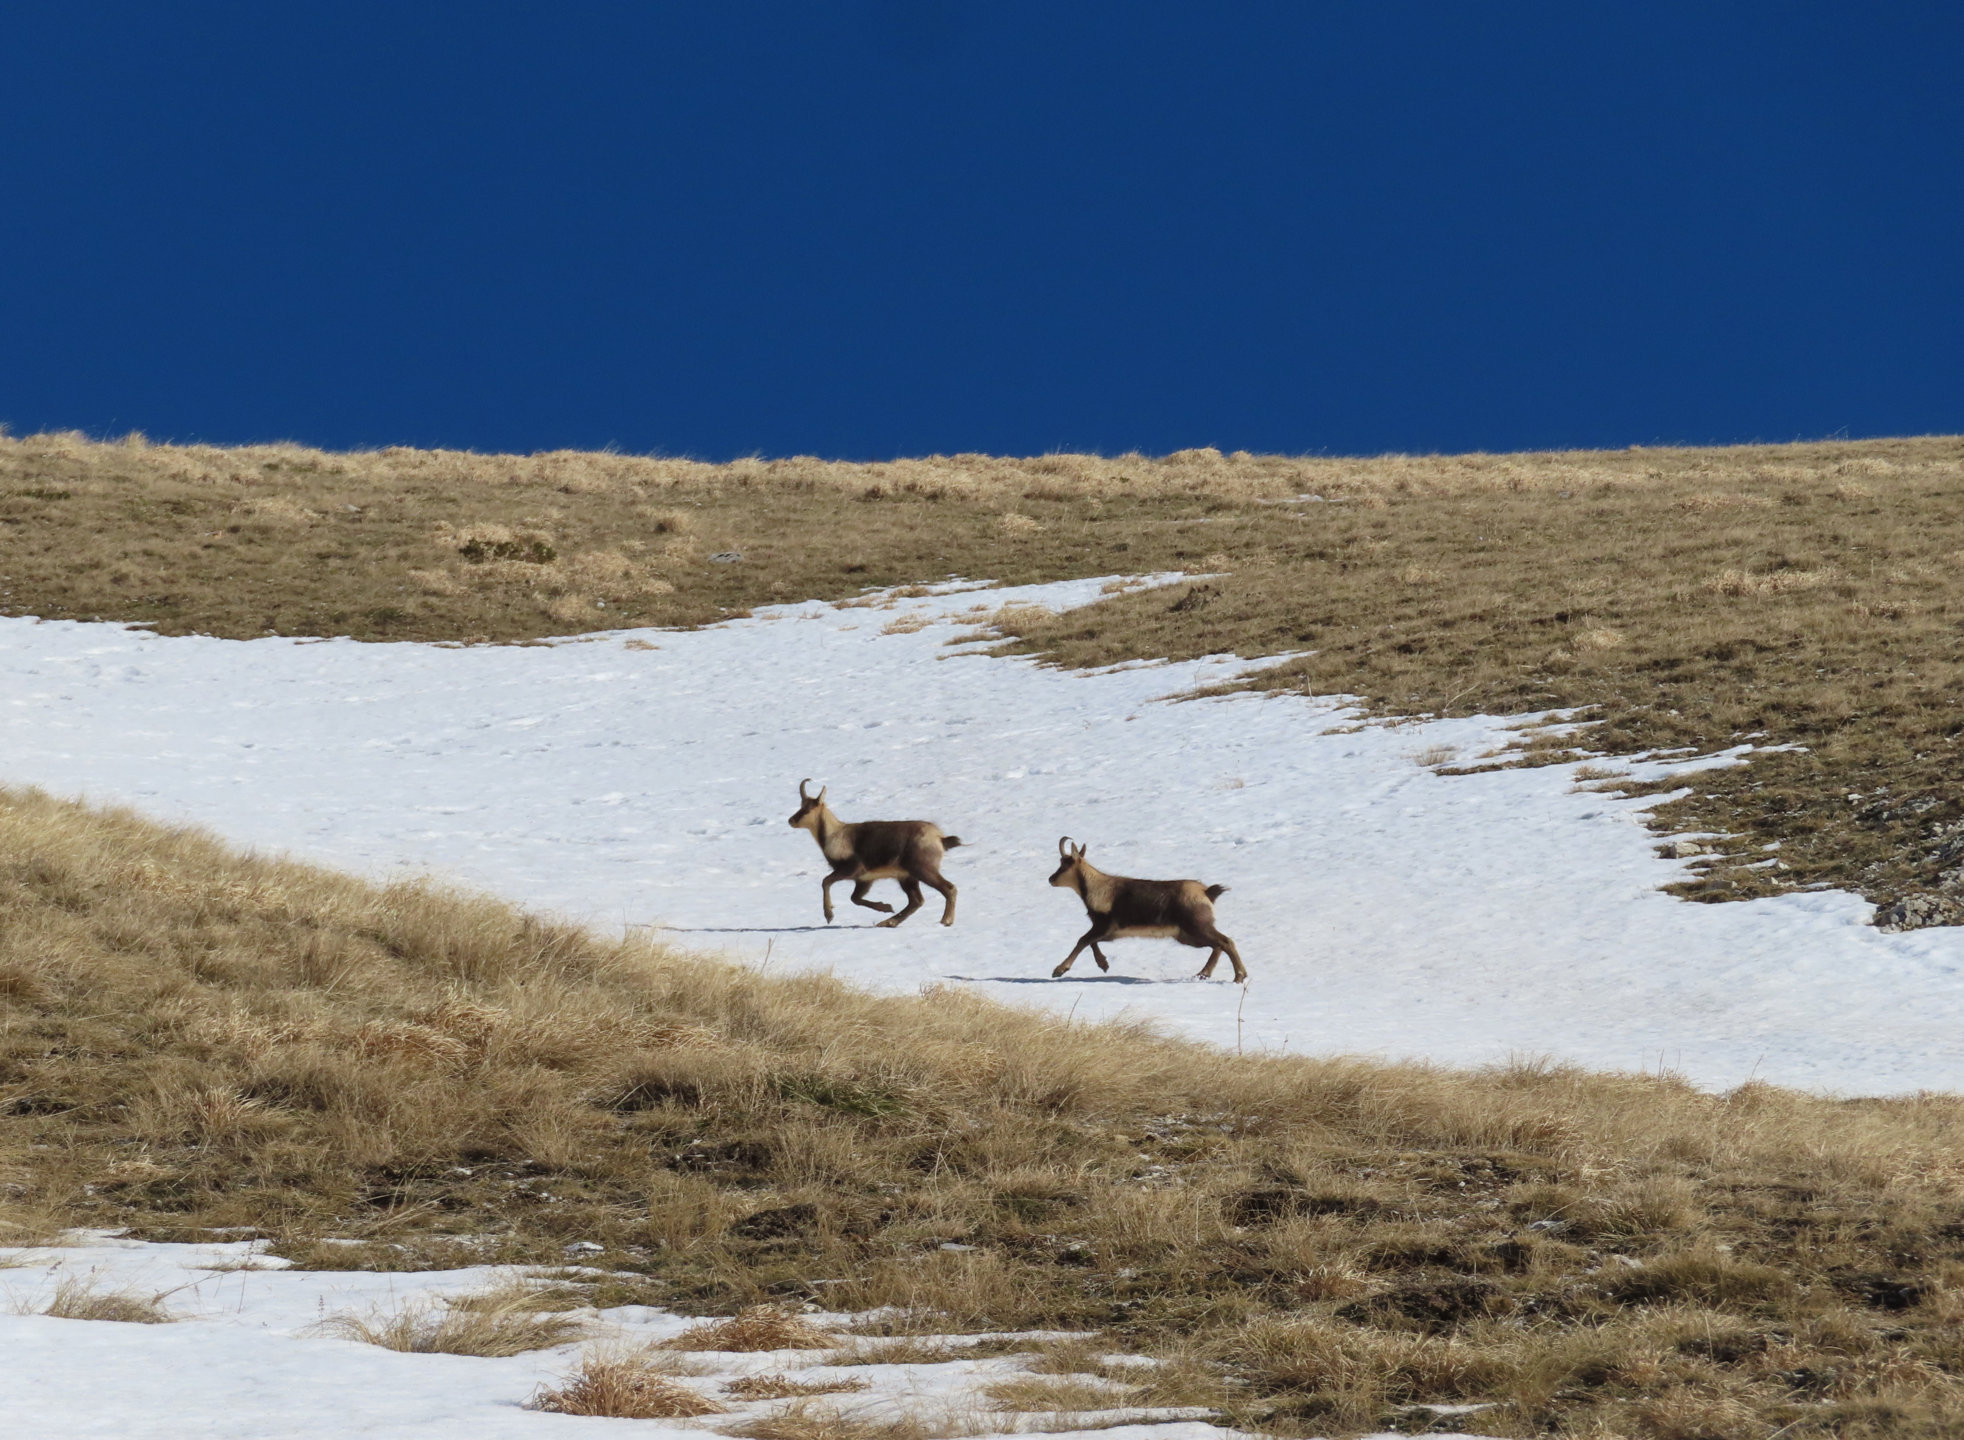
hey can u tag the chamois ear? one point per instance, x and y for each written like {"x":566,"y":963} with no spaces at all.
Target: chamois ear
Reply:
{"x":1077,"y":852}
{"x":821,"y":793}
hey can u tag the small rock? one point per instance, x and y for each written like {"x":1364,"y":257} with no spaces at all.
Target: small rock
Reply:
{"x":727,"y":557}
{"x":1681,"y":849}
{"x":584,"y":1247}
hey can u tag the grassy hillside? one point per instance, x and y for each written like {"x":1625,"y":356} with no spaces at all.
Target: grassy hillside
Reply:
{"x":193,"y":1039}
{"x":1800,"y":596}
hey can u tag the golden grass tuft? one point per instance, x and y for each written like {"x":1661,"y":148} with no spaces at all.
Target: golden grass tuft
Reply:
{"x":1773,"y":582}
{"x":783,"y":1387}
{"x":802,"y":1421}
{"x":624,"y":1387}
{"x":1054,"y":1394}
{"x":757,"y":1327}
{"x":82,"y":1299}
{"x":498,"y":1323}
{"x":905,"y":1350}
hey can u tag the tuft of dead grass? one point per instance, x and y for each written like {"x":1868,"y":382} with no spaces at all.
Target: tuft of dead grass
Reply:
{"x":81,"y":1299}
{"x":783,"y":1387}
{"x":1054,"y":1394}
{"x":624,"y":1387}
{"x":803,"y":1421}
{"x":757,"y":1327}
{"x":497,"y":1323}
{"x":1735,"y":582}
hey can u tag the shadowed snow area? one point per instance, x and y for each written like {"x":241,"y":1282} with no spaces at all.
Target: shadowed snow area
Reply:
{"x":1382,"y":908}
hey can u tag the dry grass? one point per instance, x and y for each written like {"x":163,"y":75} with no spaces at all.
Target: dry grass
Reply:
{"x":912,"y":1350}
{"x":182,"y":1048}
{"x":507,"y":1321}
{"x":624,"y":1387}
{"x":783,"y":1387}
{"x":80,"y":1299}
{"x":757,"y":1327}
{"x":448,"y":545}
{"x":802,"y":1421}
{"x":1051,"y":1394}
{"x":1807,"y":595}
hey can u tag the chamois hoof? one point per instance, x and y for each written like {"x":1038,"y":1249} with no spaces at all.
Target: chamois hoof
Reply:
{"x":1058,"y":973}
{"x":888,"y":924}
{"x":877,"y":905}
{"x":947,"y":919}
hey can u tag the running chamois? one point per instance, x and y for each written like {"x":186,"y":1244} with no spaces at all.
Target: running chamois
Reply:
{"x":1122,"y":909}
{"x":905,"y":850}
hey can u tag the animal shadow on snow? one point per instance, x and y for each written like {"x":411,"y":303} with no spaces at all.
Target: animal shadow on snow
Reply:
{"x":755,"y":929}
{"x":1064,"y":980}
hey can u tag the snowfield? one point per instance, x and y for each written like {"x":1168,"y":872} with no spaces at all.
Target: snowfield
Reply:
{"x":1382,"y":909}
{"x":251,"y":1356}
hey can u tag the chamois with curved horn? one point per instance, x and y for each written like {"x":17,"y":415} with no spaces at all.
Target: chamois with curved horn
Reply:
{"x":905,"y":850}
{"x":1122,"y":909}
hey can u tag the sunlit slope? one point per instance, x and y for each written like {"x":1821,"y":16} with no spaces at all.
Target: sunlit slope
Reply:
{"x":196,"y":1039}
{"x":1807,"y":596}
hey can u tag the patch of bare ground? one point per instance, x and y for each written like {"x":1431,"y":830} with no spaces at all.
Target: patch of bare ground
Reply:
{"x":191,"y":1039}
{"x":1806,"y":595}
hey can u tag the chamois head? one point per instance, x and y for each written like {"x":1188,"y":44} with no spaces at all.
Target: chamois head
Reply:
{"x":809,"y":805}
{"x":1066,"y":873}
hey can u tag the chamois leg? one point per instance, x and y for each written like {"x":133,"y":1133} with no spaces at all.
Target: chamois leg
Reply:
{"x":913,"y":889}
{"x":947,"y":889}
{"x":1091,"y":938}
{"x":1216,"y":944}
{"x":859,"y":889}
{"x":843,"y":872}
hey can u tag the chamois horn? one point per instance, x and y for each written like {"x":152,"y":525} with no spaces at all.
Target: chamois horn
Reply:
{"x":1064,"y":847}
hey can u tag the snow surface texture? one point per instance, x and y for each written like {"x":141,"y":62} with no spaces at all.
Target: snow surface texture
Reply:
{"x":1383,"y":909}
{"x":250,"y":1355}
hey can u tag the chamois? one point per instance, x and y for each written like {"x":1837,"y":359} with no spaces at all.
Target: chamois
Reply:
{"x":1121,"y":909}
{"x":905,"y":850}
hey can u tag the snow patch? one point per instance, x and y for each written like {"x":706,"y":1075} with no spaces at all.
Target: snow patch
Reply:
{"x":1383,"y":909}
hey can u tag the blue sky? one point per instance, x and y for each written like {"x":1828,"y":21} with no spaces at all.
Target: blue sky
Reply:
{"x":875,"y":228}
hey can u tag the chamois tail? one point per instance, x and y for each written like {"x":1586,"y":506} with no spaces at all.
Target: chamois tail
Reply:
{"x":1215,"y":892}
{"x":949,"y":842}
